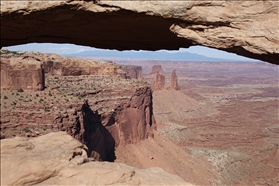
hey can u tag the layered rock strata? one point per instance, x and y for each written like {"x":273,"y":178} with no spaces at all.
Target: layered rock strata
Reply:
{"x":133,"y":72}
{"x":100,"y":111}
{"x":174,"y":82}
{"x":27,"y":70}
{"x":22,"y":72}
{"x":159,"y":82}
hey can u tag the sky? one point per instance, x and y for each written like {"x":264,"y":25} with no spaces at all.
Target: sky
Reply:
{"x":71,"y":49}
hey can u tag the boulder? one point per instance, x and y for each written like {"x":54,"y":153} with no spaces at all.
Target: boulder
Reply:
{"x":59,"y":159}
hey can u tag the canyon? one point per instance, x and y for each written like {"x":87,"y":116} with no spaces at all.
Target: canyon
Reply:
{"x":208,"y":123}
{"x":211,"y":123}
{"x":93,"y":101}
{"x":226,"y":112}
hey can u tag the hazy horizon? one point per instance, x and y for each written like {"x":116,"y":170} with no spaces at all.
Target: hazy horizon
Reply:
{"x":197,"y":53}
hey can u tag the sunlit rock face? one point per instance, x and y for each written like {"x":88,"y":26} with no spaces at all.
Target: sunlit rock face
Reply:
{"x":21,"y":72}
{"x":59,"y":159}
{"x":248,"y":28}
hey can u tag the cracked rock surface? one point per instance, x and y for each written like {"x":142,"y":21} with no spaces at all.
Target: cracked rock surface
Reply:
{"x":247,"y":28}
{"x":59,"y":159}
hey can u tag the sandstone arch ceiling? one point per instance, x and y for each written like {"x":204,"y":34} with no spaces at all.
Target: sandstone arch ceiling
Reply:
{"x":247,"y":28}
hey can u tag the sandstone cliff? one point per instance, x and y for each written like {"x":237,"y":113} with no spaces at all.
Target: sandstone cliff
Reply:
{"x":173,"y":83}
{"x":59,"y":159}
{"x":134,"y":72}
{"x":22,"y":72}
{"x":27,"y":70}
{"x":102,"y":112}
{"x":157,"y":69}
{"x":248,"y":28}
{"x":70,"y":66}
{"x":159,"y":82}
{"x":132,"y":121}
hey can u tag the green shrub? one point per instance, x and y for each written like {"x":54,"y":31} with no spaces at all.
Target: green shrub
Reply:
{"x":26,"y":129}
{"x":5,"y":97}
{"x":46,"y":110}
{"x":20,"y":90}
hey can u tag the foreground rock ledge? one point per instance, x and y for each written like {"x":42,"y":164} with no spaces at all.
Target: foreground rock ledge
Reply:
{"x":59,"y":159}
{"x":248,"y":28}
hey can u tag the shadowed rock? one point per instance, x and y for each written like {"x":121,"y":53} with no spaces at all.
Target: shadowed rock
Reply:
{"x":133,"y":72}
{"x":233,"y":26}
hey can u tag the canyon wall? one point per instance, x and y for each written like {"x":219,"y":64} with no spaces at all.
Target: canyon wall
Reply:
{"x":21,"y":72}
{"x":133,"y":72}
{"x":121,"y":121}
{"x":132,"y":121}
{"x":247,"y":28}
{"x":27,"y":70}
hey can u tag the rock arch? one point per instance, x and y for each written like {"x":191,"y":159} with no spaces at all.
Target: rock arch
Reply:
{"x":247,"y":28}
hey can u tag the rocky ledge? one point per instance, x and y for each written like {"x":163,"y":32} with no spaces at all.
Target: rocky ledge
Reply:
{"x":59,"y":159}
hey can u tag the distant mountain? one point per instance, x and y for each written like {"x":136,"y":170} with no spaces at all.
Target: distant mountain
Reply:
{"x":147,"y":55}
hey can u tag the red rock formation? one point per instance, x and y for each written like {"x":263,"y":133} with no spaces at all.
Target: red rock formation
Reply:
{"x":157,"y":69}
{"x":87,"y":127}
{"x":21,"y":72}
{"x":70,"y":66}
{"x":132,"y":121}
{"x":58,"y":159}
{"x":159,"y":82}
{"x":173,"y":84}
{"x":133,"y":72}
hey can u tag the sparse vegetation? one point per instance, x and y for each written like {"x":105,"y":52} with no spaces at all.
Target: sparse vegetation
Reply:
{"x":20,"y":90}
{"x":27,"y":130}
{"x":46,"y":110}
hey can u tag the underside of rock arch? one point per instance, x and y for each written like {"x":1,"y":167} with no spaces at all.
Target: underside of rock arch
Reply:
{"x":247,"y":28}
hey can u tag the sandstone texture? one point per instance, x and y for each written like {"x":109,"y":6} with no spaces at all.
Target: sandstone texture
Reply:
{"x":22,"y":72}
{"x":27,"y":70}
{"x":56,"y":65}
{"x":157,"y":69}
{"x":248,"y":28}
{"x":159,"y":79}
{"x":173,"y":83}
{"x":59,"y":159}
{"x":159,"y":82}
{"x":133,"y":72}
{"x":102,"y":110}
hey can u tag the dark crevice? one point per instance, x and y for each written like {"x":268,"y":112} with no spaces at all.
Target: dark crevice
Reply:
{"x":96,"y":137}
